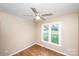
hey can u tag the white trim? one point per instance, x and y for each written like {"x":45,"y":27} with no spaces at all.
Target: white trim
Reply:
{"x":49,"y":38}
{"x":60,"y":34}
{"x":22,"y":49}
{"x":40,"y":45}
{"x":49,"y":34}
{"x":54,"y":50}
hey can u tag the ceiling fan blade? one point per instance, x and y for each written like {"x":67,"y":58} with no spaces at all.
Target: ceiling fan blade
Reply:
{"x":49,"y":14}
{"x":34,"y":10}
{"x":42,"y":18}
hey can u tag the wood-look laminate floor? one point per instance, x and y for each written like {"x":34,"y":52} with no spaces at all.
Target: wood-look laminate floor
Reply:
{"x":37,"y":50}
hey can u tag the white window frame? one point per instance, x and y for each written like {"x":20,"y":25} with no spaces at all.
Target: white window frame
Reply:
{"x":49,"y":38}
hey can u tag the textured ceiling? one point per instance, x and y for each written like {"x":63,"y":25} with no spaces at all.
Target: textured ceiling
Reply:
{"x":21,"y":9}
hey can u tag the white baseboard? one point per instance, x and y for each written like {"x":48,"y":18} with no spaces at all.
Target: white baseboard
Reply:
{"x":22,"y":49}
{"x":54,"y":50}
{"x":40,"y":45}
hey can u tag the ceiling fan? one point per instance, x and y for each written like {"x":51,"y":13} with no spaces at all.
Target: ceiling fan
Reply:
{"x":38,"y":16}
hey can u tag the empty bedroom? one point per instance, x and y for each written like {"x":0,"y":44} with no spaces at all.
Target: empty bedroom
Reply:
{"x":39,"y":29}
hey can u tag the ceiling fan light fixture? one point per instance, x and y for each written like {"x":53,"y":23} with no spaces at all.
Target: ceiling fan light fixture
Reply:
{"x":37,"y":18}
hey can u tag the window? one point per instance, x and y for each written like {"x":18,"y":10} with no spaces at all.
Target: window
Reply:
{"x":46,"y":32}
{"x":51,"y":33}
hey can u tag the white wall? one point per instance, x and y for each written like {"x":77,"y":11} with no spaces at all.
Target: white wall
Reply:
{"x":15,"y":33}
{"x":69,"y":34}
{"x":78,"y":34}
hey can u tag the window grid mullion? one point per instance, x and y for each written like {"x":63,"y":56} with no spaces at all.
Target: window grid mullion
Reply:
{"x":49,"y":33}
